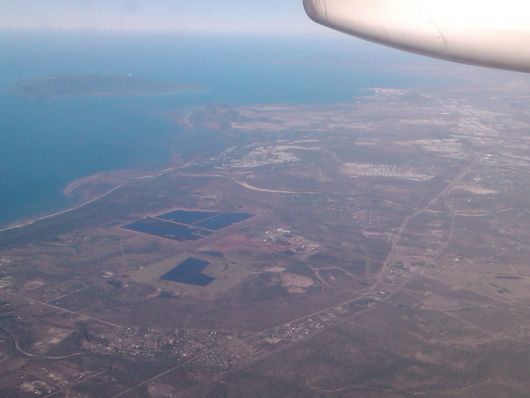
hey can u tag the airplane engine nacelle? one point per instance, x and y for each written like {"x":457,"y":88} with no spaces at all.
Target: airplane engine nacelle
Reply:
{"x":480,"y":32}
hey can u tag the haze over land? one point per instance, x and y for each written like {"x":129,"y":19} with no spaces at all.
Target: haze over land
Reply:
{"x":322,"y":218}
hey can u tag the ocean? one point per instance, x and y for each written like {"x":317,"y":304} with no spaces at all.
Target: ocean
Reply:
{"x":47,"y":143}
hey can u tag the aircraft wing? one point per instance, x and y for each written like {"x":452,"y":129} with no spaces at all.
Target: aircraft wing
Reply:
{"x":480,"y":32}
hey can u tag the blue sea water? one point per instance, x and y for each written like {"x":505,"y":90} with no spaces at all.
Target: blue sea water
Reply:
{"x":47,"y":143}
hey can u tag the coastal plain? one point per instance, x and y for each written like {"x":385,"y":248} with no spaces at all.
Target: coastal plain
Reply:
{"x":381,"y":250}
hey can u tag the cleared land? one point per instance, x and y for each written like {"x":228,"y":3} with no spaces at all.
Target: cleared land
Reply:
{"x":388,"y":257}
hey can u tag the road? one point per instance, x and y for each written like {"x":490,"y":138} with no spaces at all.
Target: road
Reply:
{"x":375,"y":287}
{"x":32,"y":301}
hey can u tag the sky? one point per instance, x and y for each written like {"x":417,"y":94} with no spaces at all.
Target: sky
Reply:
{"x":223,"y":16}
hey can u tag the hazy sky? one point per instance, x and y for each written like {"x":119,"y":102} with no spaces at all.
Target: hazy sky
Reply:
{"x":269,"y":16}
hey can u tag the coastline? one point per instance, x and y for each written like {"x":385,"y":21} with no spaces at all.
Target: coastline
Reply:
{"x":22,"y":224}
{"x":119,"y":178}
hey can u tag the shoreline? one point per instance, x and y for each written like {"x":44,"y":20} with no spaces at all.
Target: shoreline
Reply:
{"x":138,"y":176}
{"x":123,"y":180}
{"x":22,"y":224}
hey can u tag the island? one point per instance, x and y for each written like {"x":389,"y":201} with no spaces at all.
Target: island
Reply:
{"x":93,"y":85}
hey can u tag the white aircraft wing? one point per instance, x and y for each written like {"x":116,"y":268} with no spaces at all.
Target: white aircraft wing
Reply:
{"x":480,"y":32}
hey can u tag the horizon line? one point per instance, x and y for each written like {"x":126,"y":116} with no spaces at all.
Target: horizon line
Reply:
{"x":310,"y":33}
